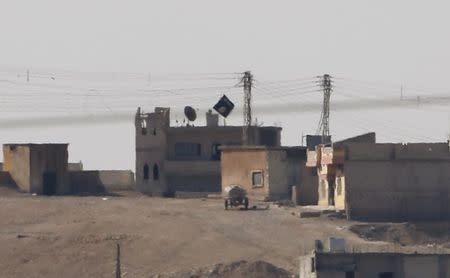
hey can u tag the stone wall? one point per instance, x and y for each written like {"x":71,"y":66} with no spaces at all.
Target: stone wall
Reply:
{"x":101,"y":181}
{"x":398,"y":189}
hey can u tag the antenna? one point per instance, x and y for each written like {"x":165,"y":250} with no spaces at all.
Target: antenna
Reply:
{"x":324,"y":123}
{"x":190,"y":113}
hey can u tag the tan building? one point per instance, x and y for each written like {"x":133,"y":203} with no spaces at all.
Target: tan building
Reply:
{"x":186,"y":159}
{"x":328,"y":162}
{"x":37,"y":168}
{"x":386,"y":181}
{"x":267,"y":173}
{"x":341,"y":264}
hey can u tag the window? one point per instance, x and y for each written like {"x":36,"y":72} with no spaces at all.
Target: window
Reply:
{"x":143,"y":127}
{"x":215,"y":152}
{"x":155,"y":172}
{"x":349,"y":274}
{"x":257,"y":178}
{"x":187,"y":149}
{"x":386,"y":275}
{"x":146,"y":170}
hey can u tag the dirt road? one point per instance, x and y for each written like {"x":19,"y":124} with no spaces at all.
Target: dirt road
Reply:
{"x":76,"y":236}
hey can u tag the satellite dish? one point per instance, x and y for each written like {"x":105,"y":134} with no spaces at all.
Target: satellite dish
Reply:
{"x":190,"y":113}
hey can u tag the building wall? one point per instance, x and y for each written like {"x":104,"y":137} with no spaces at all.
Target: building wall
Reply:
{"x":398,"y":189}
{"x":28,"y":163}
{"x":279,"y":176}
{"x":16,"y":161}
{"x":307,"y":189}
{"x":151,"y":151}
{"x":155,"y":145}
{"x":370,"y":265}
{"x":49,"y":158}
{"x":200,"y":176}
{"x":101,"y":181}
{"x":237,"y":166}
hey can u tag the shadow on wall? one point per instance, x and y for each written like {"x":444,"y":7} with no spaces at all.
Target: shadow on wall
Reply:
{"x":7,"y":181}
{"x":100,"y":182}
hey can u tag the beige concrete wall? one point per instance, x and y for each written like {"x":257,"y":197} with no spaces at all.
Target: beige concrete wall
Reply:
{"x":397,"y":190}
{"x":101,"y":181}
{"x":16,"y":159}
{"x":237,"y":166}
{"x":151,"y":150}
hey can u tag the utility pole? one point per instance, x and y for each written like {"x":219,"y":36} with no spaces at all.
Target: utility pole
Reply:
{"x":324,"y":123}
{"x":401,"y":92}
{"x":247,"y":79}
{"x":118,"y":273}
{"x":28,"y":75}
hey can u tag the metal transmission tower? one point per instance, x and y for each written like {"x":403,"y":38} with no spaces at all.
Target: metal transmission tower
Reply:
{"x":324,"y":123}
{"x":247,"y":80}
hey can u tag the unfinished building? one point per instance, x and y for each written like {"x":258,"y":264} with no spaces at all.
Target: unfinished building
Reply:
{"x":267,"y":173}
{"x":335,"y":262}
{"x":37,"y":168}
{"x":385,"y":181}
{"x":187,"y":158}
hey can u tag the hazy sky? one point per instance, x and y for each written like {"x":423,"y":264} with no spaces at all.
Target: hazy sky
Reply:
{"x":398,"y":42}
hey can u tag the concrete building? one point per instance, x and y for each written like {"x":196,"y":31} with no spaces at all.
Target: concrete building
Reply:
{"x":187,"y":158}
{"x":267,"y":173}
{"x":37,"y":168}
{"x":390,"y":182}
{"x":327,"y":161}
{"x":337,"y":263}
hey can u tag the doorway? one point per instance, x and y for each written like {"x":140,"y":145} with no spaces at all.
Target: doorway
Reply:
{"x":49,"y":186}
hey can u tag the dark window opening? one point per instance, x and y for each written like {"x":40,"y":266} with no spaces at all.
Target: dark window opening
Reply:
{"x":257,"y":178}
{"x":349,"y":274}
{"x":49,"y":183}
{"x":313,"y":265}
{"x":146,"y":172}
{"x":187,"y":149}
{"x":215,"y":152}
{"x":331,"y":189}
{"x":386,"y":275}
{"x":155,"y":172}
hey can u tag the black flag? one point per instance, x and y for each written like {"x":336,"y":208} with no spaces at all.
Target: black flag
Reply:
{"x":224,"y":106}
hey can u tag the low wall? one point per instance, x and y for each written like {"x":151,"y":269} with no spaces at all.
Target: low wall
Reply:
{"x":101,"y":181}
{"x":5,"y":179}
{"x":397,"y":190}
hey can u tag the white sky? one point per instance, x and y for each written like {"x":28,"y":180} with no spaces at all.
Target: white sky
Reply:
{"x":394,"y":42}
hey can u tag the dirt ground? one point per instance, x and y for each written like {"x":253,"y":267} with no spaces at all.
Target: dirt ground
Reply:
{"x":76,"y":236}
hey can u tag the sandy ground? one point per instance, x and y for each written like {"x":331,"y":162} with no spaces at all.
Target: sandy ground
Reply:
{"x":76,"y":236}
